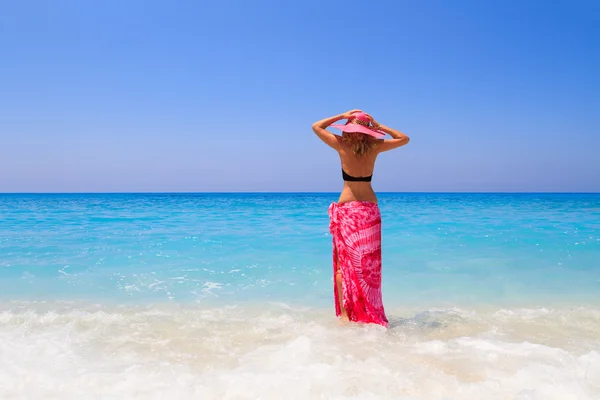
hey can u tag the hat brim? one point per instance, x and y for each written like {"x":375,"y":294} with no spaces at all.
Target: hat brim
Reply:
{"x":359,"y":128}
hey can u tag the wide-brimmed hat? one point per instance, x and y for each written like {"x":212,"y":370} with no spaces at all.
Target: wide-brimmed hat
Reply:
{"x":360,"y":122}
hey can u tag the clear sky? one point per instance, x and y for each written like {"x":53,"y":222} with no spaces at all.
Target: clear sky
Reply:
{"x":220,"y":96}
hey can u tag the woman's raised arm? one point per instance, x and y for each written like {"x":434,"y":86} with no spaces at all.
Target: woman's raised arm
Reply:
{"x":329,"y":138}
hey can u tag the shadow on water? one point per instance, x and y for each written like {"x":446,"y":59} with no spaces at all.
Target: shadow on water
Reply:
{"x":425,"y":320}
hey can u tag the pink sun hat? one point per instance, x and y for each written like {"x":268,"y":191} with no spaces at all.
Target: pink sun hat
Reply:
{"x":360,"y":122}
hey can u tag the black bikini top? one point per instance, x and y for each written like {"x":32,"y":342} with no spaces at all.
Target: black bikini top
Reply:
{"x":356,"y":179}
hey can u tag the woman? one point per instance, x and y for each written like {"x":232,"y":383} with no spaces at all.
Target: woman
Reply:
{"x":355,"y":220}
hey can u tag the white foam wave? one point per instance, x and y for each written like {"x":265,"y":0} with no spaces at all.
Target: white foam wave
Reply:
{"x":74,"y":351}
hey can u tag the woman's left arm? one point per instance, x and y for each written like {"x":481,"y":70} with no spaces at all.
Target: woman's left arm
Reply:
{"x":329,"y":138}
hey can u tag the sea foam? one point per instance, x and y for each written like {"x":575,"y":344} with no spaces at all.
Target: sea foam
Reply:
{"x":274,"y":351}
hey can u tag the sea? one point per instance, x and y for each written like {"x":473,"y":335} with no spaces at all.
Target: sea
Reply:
{"x":230,"y":296}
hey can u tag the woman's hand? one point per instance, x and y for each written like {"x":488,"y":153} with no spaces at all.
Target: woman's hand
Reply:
{"x":399,"y":138}
{"x":374,"y":123}
{"x":348,"y":114}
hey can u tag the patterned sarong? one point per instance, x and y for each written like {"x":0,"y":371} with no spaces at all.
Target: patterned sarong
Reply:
{"x":356,"y":230}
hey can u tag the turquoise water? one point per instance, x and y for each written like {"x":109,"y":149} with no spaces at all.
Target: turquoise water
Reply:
{"x":222,"y":296}
{"x":438,"y":249}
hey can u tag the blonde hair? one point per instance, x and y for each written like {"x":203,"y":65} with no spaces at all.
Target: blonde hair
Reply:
{"x":359,"y":143}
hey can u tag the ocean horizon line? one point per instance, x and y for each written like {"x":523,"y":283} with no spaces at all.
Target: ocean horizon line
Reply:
{"x":285,"y":192}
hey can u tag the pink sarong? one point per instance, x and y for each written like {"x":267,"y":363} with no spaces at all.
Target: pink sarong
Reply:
{"x":356,"y":230}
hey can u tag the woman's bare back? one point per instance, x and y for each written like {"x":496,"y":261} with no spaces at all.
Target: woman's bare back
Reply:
{"x":357,"y":166}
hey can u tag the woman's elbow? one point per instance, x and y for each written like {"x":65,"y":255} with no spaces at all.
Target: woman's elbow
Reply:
{"x":316,"y":126}
{"x":403,"y":140}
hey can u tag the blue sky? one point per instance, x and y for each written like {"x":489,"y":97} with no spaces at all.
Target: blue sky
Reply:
{"x":220,"y":96}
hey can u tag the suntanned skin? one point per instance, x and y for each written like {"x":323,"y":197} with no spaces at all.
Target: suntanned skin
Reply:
{"x":356,"y":166}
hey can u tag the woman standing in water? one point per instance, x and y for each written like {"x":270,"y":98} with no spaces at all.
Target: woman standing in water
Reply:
{"x":355,"y":220}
